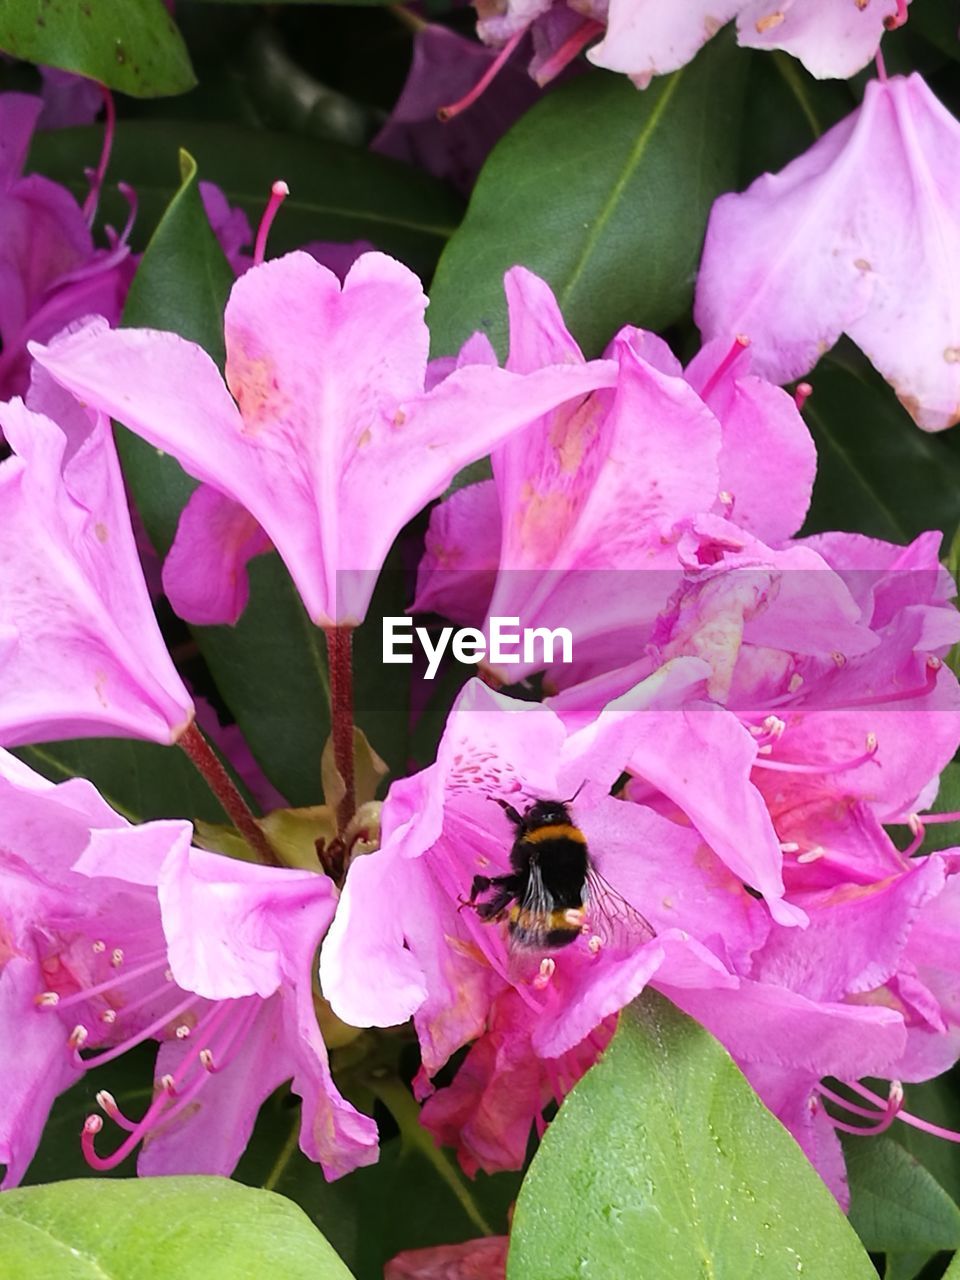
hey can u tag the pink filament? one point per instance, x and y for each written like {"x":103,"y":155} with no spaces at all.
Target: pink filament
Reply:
{"x":111,"y":983}
{"x":737,"y":348}
{"x":455,"y":108}
{"x":787,"y":766}
{"x":278,"y":193}
{"x":568,"y":50}
{"x":98,"y":175}
{"x":163,"y":1107}
{"x":147,"y":1033}
{"x":948,"y":1135}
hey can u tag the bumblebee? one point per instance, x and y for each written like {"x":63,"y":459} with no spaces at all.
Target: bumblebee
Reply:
{"x":553,"y":892}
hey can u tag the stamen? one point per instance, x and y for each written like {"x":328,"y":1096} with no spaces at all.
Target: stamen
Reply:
{"x":802,"y":394}
{"x":787,"y":766}
{"x":548,"y":968}
{"x":454,"y":109}
{"x":116,"y":957}
{"x":594,"y":945}
{"x":789,"y":846}
{"x":811,"y":855}
{"x":77,"y":1037}
{"x":146,"y":1034}
{"x":99,"y":947}
{"x":737,"y":348}
{"x":568,"y":51}
{"x":278,"y":193}
{"x":111,"y":984}
{"x":97,"y":176}
{"x":897,"y":19}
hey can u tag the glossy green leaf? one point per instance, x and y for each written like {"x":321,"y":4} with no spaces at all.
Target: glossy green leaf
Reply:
{"x":605,"y":193}
{"x":130,"y":45}
{"x":877,"y":473}
{"x":141,"y":780}
{"x":896,"y":1205}
{"x":159,"y":1229}
{"x":336,"y":192}
{"x":663,"y":1163}
{"x":953,"y":1271}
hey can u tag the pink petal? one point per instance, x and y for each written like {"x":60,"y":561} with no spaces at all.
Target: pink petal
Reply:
{"x":89,"y":658}
{"x":205,"y":572}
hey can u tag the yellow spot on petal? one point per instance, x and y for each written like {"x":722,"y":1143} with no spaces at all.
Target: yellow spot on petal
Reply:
{"x":770,"y":21}
{"x":862,"y":264}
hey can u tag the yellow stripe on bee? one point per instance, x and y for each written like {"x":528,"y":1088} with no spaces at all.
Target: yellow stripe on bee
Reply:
{"x":562,"y":918}
{"x":557,"y":831}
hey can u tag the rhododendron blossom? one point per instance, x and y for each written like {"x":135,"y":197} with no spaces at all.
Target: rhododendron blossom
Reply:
{"x":50,"y":271}
{"x":116,"y":934}
{"x":812,"y":252}
{"x":329,"y":443}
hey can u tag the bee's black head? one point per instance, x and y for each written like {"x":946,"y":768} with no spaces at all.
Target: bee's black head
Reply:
{"x":544,"y":813}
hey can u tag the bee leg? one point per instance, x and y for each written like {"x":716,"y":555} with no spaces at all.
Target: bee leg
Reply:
{"x":509,"y":810}
{"x":497,"y":905}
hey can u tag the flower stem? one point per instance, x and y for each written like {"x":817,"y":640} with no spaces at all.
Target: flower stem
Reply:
{"x":208,"y":765}
{"x":339,"y":640}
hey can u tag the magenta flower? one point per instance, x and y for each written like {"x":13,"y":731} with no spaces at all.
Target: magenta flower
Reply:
{"x":844,"y":267}
{"x":646,"y":38}
{"x":116,"y":934}
{"x":592,"y":499}
{"x":536,"y":1028}
{"x":50,"y":272}
{"x":483,"y":1259}
{"x":323,"y":435}
{"x":82,"y":653}
{"x":445,"y":67}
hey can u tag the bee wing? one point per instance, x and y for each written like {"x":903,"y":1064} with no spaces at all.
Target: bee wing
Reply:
{"x":530,"y":932}
{"x":611,"y":918}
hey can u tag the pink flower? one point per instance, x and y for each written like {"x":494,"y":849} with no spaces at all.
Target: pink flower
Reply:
{"x":535,"y":1030}
{"x":646,"y":38}
{"x":484,"y":1259}
{"x":115,"y":934}
{"x":868,"y":208}
{"x":832,"y":38}
{"x":445,"y":66}
{"x":323,"y":437}
{"x":592,"y":499}
{"x":50,"y":272}
{"x":82,"y":653}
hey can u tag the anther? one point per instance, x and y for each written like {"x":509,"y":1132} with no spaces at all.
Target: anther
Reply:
{"x":811,"y":855}
{"x":802,"y":394}
{"x":789,"y":846}
{"x":182,"y":1032}
{"x":839,"y":658}
{"x":99,"y":946}
{"x":594,"y":945}
{"x":109,"y":1016}
{"x":796,"y":680}
{"x":116,"y":957}
{"x":107,"y":1102}
{"x":206,"y":1055}
{"x":77,"y":1037}
{"x":93,"y":1124}
{"x":548,"y":968}
{"x":168,"y":1085}
{"x":46,"y":1000}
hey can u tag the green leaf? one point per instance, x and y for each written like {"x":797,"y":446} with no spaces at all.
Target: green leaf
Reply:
{"x":130,"y":45}
{"x":401,"y":1202}
{"x":159,"y":1229}
{"x":605,"y":193}
{"x":896,"y":1205}
{"x":877,"y":473}
{"x":663,"y":1163}
{"x":336,"y":192}
{"x":141,"y":780}
{"x":953,"y":1271}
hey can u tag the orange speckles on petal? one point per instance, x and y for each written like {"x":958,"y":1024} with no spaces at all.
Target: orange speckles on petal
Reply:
{"x":951,"y":355}
{"x":253,"y":384}
{"x":572,"y":433}
{"x":101,"y":531}
{"x":769,"y":21}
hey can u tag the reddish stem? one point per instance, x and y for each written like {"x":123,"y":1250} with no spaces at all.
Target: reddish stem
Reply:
{"x":339,"y":641}
{"x":208,"y":765}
